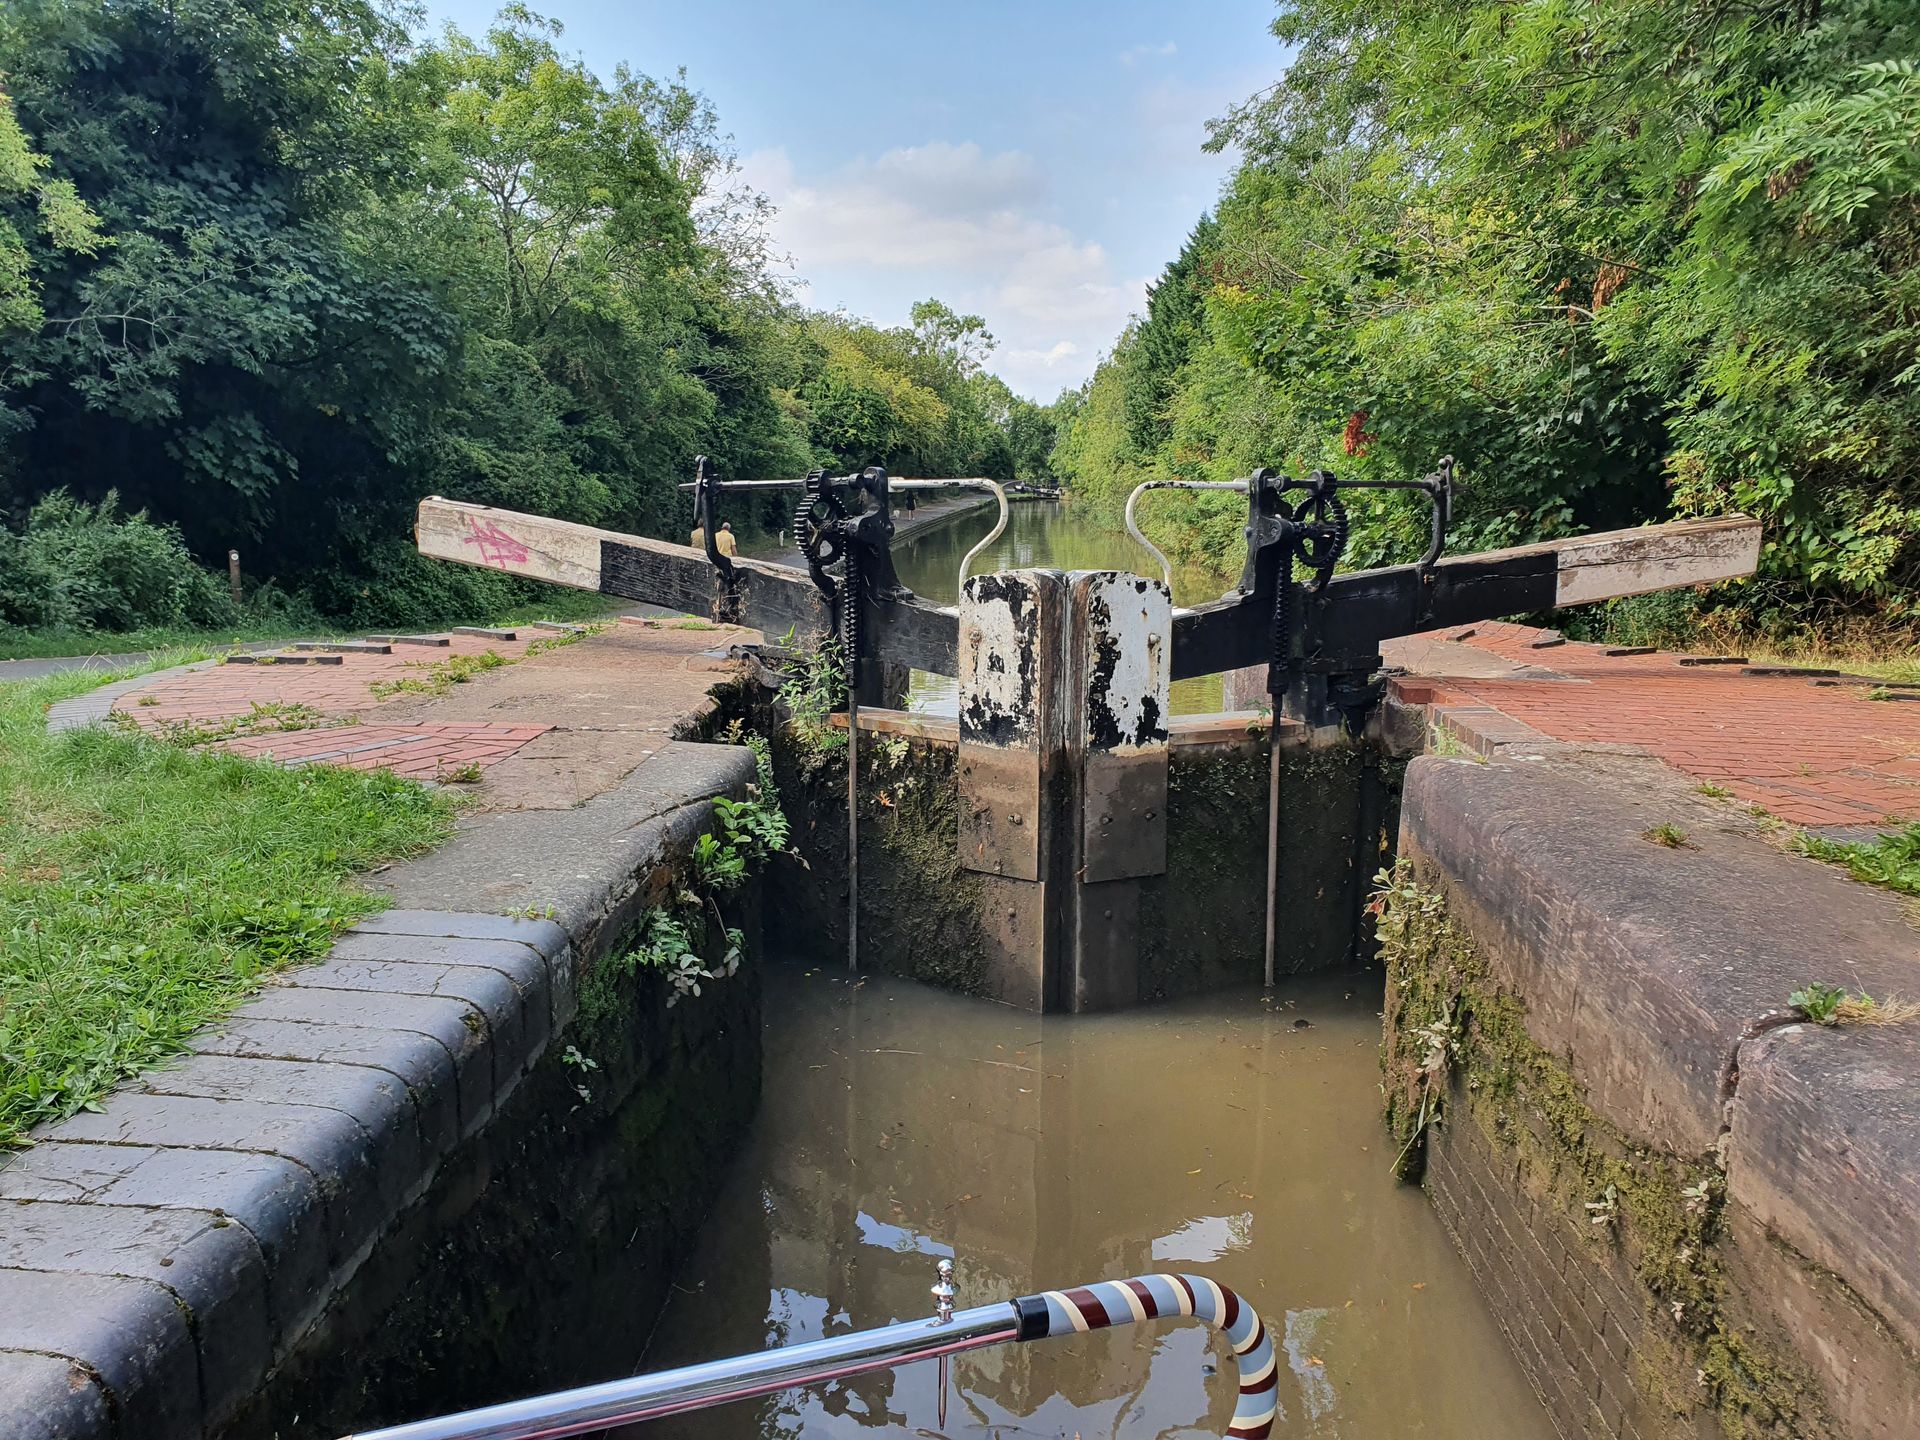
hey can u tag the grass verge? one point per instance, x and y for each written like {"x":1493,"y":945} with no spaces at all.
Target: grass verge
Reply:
{"x":18,"y":644}
{"x":146,"y":888}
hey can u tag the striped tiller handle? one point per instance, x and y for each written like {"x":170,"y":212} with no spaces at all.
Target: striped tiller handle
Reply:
{"x":1148,"y":1297}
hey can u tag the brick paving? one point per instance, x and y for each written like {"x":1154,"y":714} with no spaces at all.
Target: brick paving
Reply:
{"x":342,"y":693}
{"x":1821,"y":756}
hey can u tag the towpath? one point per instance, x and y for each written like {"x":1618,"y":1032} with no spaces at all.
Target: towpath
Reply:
{"x":1827,"y":751}
{"x":555,"y":718}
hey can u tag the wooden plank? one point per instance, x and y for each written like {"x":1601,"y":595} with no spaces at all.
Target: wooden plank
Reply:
{"x":1378,"y":604}
{"x":770,"y":598}
{"x":1658,"y":557}
{"x":1610,"y":564}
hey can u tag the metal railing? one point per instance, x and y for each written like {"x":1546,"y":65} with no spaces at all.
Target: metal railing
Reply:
{"x":1133,"y":529}
{"x":972,"y":482}
{"x":948,"y":1333}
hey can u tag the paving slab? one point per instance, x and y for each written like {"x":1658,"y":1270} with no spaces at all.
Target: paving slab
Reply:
{"x":1827,"y":758}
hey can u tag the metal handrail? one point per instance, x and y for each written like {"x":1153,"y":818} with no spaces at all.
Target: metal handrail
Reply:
{"x":1166,"y":567}
{"x":949,"y":1332}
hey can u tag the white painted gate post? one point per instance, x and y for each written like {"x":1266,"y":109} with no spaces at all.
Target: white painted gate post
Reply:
{"x":1063,"y":686}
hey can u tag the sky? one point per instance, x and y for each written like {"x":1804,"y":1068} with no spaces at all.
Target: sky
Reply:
{"x":1035,"y":164}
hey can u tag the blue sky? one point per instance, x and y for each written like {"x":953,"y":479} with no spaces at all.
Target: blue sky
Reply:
{"x":1034,"y":163}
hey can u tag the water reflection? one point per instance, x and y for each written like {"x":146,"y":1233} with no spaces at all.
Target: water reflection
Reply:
{"x":1039,"y":534}
{"x":900,"y":1124}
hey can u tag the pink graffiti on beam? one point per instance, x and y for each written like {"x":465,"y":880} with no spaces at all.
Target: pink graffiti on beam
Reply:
{"x":496,"y":546}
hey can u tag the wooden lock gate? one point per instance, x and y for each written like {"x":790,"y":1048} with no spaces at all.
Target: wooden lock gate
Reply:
{"x":1064,"y":677}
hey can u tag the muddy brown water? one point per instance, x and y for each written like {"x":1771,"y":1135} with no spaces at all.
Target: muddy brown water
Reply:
{"x":1234,"y":1136}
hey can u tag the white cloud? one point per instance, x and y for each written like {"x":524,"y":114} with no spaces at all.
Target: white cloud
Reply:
{"x":1135,"y":54}
{"x":953,"y":221}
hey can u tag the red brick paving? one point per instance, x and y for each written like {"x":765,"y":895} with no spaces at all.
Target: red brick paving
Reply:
{"x":1812,"y":755}
{"x":341,"y":693}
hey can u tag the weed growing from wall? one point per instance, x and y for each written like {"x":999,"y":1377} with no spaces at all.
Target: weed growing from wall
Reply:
{"x":688,"y":941}
{"x":815,"y":687}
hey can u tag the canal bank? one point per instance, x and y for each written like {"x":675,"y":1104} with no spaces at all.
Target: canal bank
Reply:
{"x":483,"y":1237}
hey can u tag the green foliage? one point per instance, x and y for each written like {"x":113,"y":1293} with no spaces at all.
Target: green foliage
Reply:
{"x":56,"y":211}
{"x":85,"y":567}
{"x":436,"y":677}
{"x":1623,"y":261}
{"x":1819,"y":1002}
{"x":816,"y":687}
{"x":1892,"y":861}
{"x":354,"y":266}
{"x":146,"y":888}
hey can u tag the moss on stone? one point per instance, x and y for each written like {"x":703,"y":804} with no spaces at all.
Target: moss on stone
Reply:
{"x":1659,"y":1212}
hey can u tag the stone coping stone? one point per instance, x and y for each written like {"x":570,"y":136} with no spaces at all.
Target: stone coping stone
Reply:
{"x":1825,"y":1151}
{"x":159,"y":1256}
{"x":1659,"y":977}
{"x":1644,"y":967}
{"x":588,"y":865}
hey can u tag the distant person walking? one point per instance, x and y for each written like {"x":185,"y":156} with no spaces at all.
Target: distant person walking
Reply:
{"x":724,"y":541}
{"x":699,"y":538}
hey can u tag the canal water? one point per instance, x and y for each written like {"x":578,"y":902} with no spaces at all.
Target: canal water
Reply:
{"x":1039,"y":533}
{"x":1235,"y":1136}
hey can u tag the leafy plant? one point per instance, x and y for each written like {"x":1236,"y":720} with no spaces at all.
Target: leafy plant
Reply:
{"x":1892,"y":861}
{"x":439,"y":676}
{"x":86,"y":567}
{"x":1819,"y":1002}
{"x":718,"y":865}
{"x":562,"y":638}
{"x":815,"y":687}
{"x":1668,"y":834}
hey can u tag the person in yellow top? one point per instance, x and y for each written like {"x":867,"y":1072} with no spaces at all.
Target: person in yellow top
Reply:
{"x":699,"y":538}
{"x":724,"y":541}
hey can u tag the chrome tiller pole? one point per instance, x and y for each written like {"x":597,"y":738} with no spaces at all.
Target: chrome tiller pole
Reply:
{"x":649,"y":1397}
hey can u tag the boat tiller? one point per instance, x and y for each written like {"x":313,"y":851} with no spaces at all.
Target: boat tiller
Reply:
{"x":950,"y":1332}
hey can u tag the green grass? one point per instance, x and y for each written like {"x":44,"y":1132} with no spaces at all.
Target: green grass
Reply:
{"x":18,"y":644}
{"x":146,"y":888}
{"x":1892,"y":861}
{"x":559,"y":603}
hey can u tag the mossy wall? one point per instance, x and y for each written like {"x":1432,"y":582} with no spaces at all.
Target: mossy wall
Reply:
{"x":1647,"y":1267}
{"x":1206,"y":918}
{"x":543,"y":1250}
{"x":1203,"y":923}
